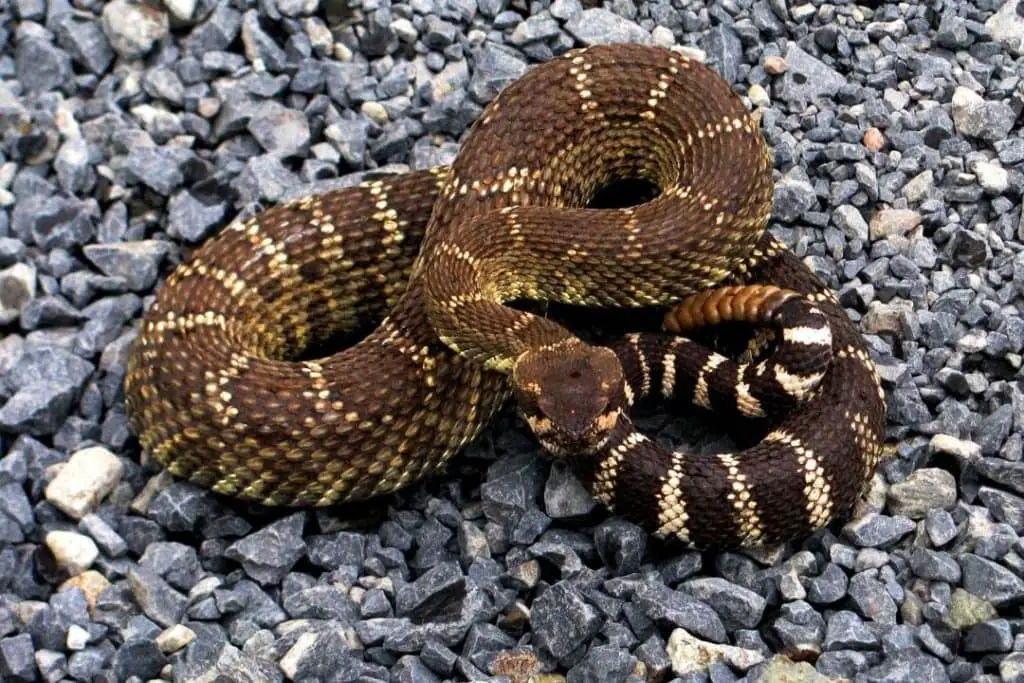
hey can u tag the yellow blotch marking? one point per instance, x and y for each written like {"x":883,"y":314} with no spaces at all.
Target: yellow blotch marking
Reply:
{"x":607,"y":471}
{"x":817,"y":490}
{"x":672,"y":514}
{"x":745,"y":401}
{"x":700,"y":391}
{"x":668,"y":375}
{"x":741,"y":499}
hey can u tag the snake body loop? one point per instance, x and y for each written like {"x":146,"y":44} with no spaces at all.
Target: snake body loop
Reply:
{"x":214,"y":389}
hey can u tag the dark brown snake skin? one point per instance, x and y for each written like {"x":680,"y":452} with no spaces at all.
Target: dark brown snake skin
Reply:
{"x":814,"y":387}
{"x":214,"y":393}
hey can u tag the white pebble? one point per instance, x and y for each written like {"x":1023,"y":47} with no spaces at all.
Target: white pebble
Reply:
{"x":992,"y":177}
{"x":694,"y":53}
{"x":944,"y":443}
{"x":801,"y":12}
{"x":973,"y":342}
{"x":290,"y":662}
{"x":375,"y":111}
{"x":87,"y":477}
{"x":8,"y":170}
{"x":77,"y":638}
{"x":182,"y":10}
{"x":342,"y":52}
{"x":404,"y":30}
{"x":758,"y":96}
{"x":689,"y":654}
{"x":72,"y":551}
{"x":662,"y":37}
{"x":319,"y":35}
{"x":174,"y":638}
{"x":204,"y":587}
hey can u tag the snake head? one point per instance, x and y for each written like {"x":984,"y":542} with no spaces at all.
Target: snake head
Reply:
{"x":570,"y":395}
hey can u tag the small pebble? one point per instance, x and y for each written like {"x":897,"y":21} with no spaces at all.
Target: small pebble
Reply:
{"x":775,"y":65}
{"x":72,"y":551}
{"x":874,"y":140}
{"x":84,"y":480}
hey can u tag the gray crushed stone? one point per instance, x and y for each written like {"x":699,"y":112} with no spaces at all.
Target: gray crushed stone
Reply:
{"x":130,"y":132}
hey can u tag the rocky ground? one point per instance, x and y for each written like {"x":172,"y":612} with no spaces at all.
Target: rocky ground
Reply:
{"x":131,"y":132}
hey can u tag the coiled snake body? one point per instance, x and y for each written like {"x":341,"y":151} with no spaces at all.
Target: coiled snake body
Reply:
{"x":213,"y":394}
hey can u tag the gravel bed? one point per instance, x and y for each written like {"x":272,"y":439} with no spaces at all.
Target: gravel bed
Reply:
{"x":129,"y":133}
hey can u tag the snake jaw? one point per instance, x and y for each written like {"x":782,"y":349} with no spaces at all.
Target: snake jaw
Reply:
{"x":570,"y":395}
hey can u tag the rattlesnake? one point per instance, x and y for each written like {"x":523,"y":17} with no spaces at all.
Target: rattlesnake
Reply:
{"x":215,"y":394}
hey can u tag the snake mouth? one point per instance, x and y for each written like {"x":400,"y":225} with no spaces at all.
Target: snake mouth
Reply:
{"x":584,"y":440}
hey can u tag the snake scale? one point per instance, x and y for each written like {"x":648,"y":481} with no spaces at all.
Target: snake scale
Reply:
{"x":217,"y":393}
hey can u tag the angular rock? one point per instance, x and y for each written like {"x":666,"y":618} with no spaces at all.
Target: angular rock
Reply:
{"x":807,"y":78}
{"x":976,"y":117}
{"x":17,"y":288}
{"x":888,"y":222}
{"x":269,"y":554}
{"x":991,"y":581}
{"x":435,"y":590}
{"x":925,"y":489}
{"x":562,"y":620}
{"x":138,"y":263}
{"x":599,"y":26}
{"x":738,"y":607}
{"x":675,"y":608}
{"x":158,"y":600}
{"x":877,"y":531}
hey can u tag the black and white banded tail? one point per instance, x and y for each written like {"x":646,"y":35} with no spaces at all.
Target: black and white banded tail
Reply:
{"x":817,"y":389}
